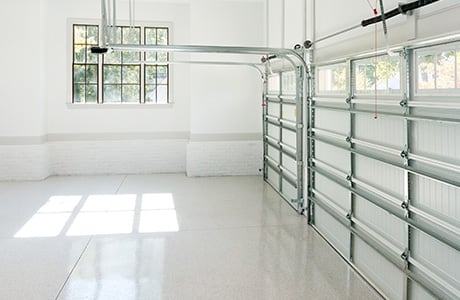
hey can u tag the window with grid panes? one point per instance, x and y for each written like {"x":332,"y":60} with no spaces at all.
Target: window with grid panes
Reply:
{"x":120,"y":76}
{"x":438,"y":69}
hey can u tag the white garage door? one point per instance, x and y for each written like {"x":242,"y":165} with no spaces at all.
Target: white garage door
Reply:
{"x":385,"y":167}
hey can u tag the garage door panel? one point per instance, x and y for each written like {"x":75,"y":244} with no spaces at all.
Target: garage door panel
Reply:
{"x":437,"y":140}
{"x":289,"y":190}
{"x":273,"y":154}
{"x":380,"y":175}
{"x":289,"y":138}
{"x":334,"y":156}
{"x":387,"y":276}
{"x":289,"y":112}
{"x":273,"y":131}
{"x":332,"y":230}
{"x":417,"y":292}
{"x":290,"y":164}
{"x":383,"y":131}
{"x":379,"y":220}
{"x":334,"y":192}
{"x":335,"y":121}
{"x":274,"y":109}
{"x":437,"y":257}
{"x":273,"y":177}
{"x":438,"y":199}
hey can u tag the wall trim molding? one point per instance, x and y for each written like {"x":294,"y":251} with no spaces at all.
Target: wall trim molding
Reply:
{"x":225,"y":137}
{"x":127,"y":136}
{"x":22,"y":140}
{"x":119,"y":136}
{"x":76,"y":137}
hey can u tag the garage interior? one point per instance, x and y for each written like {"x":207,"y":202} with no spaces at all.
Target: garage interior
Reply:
{"x":230,"y":149}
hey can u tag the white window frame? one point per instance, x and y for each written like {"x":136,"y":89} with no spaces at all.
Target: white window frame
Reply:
{"x":99,"y":103}
{"x":448,"y":92}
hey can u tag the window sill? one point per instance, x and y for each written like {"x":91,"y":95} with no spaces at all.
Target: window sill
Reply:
{"x":118,"y":106}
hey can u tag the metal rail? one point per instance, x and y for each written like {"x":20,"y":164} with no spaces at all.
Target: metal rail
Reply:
{"x":424,"y":276}
{"x":412,"y":170}
{"x":389,"y":114}
{"x":431,"y":226}
{"x":280,"y":52}
{"x":403,"y":8}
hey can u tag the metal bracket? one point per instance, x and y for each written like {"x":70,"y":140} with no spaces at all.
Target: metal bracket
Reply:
{"x":401,"y":10}
{"x":404,"y":53}
{"x":404,"y":205}
{"x":349,"y":177}
{"x":403,"y":103}
{"x":348,"y":139}
{"x":348,"y":100}
{"x":405,"y":255}
{"x":349,"y":215}
{"x":404,"y":154}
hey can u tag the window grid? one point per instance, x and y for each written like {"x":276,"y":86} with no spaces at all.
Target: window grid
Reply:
{"x":121,"y":86}
{"x":438,"y":69}
{"x":382,"y":73}
{"x":85,"y":71}
{"x":331,"y":79}
{"x":120,"y":76}
{"x":156,"y":82}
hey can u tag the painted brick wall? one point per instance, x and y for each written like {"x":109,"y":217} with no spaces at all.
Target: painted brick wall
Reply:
{"x":206,"y":158}
{"x":24,"y":162}
{"x":222,"y":158}
{"x":117,"y":157}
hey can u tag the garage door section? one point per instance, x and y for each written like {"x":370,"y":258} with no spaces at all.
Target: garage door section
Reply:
{"x":283,"y":133}
{"x":385,"y":167}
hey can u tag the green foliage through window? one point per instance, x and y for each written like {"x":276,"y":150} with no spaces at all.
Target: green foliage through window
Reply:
{"x":382,"y":73}
{"x":85,"y":64}
{"x":438,"y":70}
{"x":332,"y":78}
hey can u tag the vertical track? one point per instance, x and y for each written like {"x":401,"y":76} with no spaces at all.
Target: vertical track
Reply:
{"x":283,"y":114}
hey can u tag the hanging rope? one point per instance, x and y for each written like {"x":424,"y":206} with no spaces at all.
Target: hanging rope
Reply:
{"x":375,"y":63}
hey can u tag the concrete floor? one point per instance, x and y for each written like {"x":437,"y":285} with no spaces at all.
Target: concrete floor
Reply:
{"x":163,"y":237}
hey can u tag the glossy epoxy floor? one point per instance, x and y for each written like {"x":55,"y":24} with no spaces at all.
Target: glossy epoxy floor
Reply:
{"x":163,"y":237}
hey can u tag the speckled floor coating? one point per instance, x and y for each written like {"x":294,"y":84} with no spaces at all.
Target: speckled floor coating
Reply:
{"x":163,"y":237}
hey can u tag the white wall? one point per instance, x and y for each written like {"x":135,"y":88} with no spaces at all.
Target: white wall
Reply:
{"x":286,"y":22}
{"x":56,"y":137}
{"x":226,"y":112}
{"x":64,"y":118}
{"x":22,"y":102}
{"x":20,"y":94}
{"x":226,"y":99}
